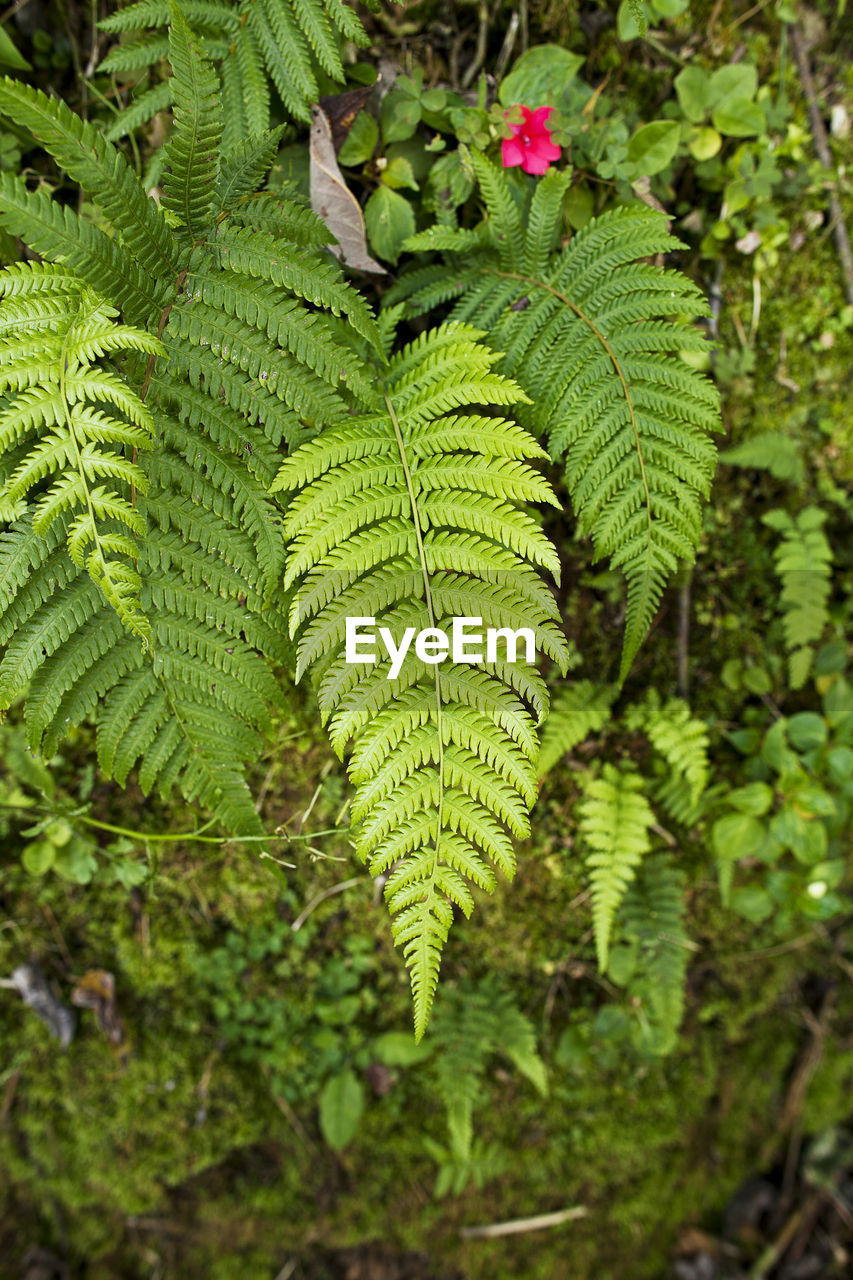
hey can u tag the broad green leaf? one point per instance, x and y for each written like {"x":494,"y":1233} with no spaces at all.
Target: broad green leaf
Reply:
{"x":400,"y":1049}
{"x":704,"y":143}
{"x":390,"y":219}
{"x":398,"y":173}
{"x":694,"y":91}
{"x":807,"y":730}
{"x":755,"y":798}
{"x":540,"y":77}
{"x":653,"y":146}
{"x":341,"y":1107}
{"x":737,"y":835}
{"x":400,"y":116}
{"x":739,"y":80}
{"x":39,"y":857}
{"x":753,"y":904}
{"x":360,"y":142}
{"x":738,"y":118}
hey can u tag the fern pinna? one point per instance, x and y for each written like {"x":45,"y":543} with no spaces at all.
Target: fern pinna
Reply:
{"x":410,"y":517}
{"x":588,"y":333}
{"x":143,"y":586}
{"x":255,"y":44}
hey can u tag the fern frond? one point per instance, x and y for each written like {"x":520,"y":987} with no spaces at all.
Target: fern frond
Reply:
{"x":385,"y":525}
{"x":579,"y":709}
{"x":309,"y":276}
{"x":803,"y":562}
{"x":683,"y":742}
{"x":470,"y":1027}
{"x":652,"y":921}
{"x":592,"y":334}
{"x":615,"y":818}
{"x":243,"y":167}
{"x":192,"y":152}
{"x":57,"y":233}
{"x":56,"y":385}
{"x":101,"y":170}
{"x":252,"y":43}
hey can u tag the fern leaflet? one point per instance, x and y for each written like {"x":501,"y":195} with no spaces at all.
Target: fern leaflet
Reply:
{"x":803,"y":561}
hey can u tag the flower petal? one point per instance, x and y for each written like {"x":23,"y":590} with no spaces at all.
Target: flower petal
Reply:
{"x":512,"y":152}
{"x":533,"y":163}
{"x":544,"y":149}
{"x":537,"y":119}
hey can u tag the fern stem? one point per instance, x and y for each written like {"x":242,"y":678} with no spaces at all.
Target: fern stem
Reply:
{"x":431,"y":613}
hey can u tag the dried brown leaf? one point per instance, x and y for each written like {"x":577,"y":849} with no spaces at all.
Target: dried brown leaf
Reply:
{"x":332,"y":200}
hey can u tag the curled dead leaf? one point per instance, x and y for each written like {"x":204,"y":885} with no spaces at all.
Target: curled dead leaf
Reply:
{"x":332,"y":200}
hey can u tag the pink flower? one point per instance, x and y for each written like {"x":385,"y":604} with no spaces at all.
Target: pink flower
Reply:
{"x":530,"y":144}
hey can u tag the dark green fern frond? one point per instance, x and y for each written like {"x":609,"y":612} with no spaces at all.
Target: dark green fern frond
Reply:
{"x":652,"y":923}
{"x":192,"y":152}
{"x":75,"y":419}
{"x":592,"y":334}
{"x":411,"y":516}
{"x":101,"y":170}
{"x":615,"y":818}
{"x":682,"y":741}
{"x":253,"y":43}
{"x":178,"y":449}
{"x":472,"y":1026}
{"x":803,"y":561}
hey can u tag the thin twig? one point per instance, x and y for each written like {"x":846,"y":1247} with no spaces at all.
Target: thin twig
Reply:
{"x":517,"y":1226}
{"x":321,"y":897}
{"x":839,"y":226}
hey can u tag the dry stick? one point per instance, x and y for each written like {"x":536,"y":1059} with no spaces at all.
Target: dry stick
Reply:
{"x":321,"y":897}
{"x":517,"y":1226}
{"x":839,"y":227}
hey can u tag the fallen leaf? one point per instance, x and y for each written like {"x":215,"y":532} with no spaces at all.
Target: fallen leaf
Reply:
{"x":341,"y":110}
{"x":96,"y":991}
{"x":36,"y":992}
{"x":333,"y":201}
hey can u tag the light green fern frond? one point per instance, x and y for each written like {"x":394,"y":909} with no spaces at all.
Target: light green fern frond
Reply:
{"x":652,"y":922}
{"x":614,"y":821}
{"x":592,"y":334}
{"x":578,"y":709}
{"x":254,"y":43}
{"x":681,"y":740}
{"x":67,"y":424}
{"x":412,"y":516}
{"x":803,"y":561}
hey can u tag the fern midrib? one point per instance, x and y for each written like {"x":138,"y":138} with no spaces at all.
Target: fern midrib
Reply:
{"x":581,"y":314}
{"x":413,"y":501}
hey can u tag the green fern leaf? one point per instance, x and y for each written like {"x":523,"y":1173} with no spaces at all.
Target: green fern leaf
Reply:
{"x":588,"y":334}
{"x":385,"y":525}
{"x":578,"y":710}
{"x":652,"y":921}
{"x":192,"y":152}
{"x":615,"y":818}
{"x":56,"y":391}
{"x":803,"y":561}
